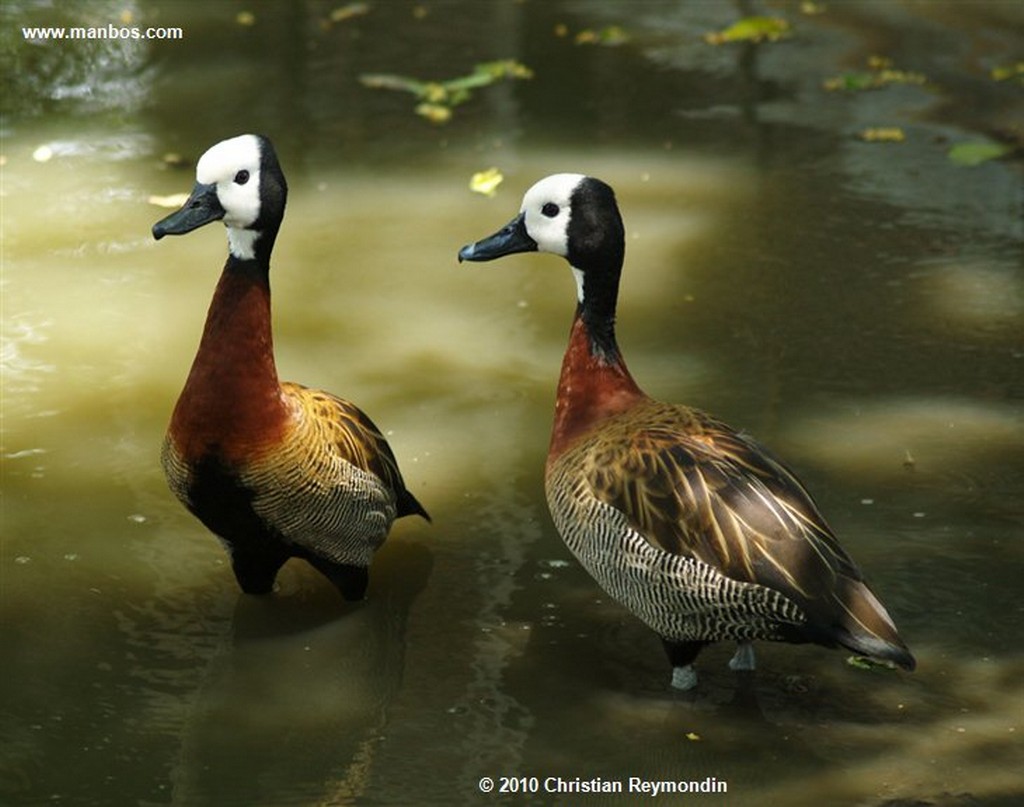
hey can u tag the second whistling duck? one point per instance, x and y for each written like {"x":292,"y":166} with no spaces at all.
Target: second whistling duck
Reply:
{"x":275,"y":470}
{"x":693,"y":526}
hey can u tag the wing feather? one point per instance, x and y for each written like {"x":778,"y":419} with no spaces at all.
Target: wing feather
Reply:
{"x":692,"y":486}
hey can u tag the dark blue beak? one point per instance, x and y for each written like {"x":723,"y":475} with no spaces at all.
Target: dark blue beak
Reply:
{"x":510,"y":239}
{"x":202,"y":207}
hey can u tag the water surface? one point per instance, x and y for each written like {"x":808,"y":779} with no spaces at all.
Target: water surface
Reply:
{"x":857,"y":306}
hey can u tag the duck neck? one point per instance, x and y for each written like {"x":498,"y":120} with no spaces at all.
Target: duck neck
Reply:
{"x":595,"y":383}
{"x":232,"y":396}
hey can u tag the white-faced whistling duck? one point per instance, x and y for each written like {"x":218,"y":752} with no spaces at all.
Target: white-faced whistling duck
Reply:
{"x":275,"y":470}
{"x":693,"y":526}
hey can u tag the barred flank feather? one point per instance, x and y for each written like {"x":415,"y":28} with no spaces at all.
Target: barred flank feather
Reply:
{"x":705,"y":538}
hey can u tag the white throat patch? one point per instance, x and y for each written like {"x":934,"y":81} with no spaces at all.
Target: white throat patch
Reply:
{"x":242,"y":243}
{"x":578,"y":275}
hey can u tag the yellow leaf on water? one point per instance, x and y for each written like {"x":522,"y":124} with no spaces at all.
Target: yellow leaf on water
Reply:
{"x":693,"y":736}
{"x":486,"y":182}
{"x":612,"y":35}
{"x":435,"y":113}
{"x":343,"y":13}
{"x":1006,"y":72}
{"x":174,"y":200}
{"x":883,"y":134}
{"x":174,"y":160}
{"x":865,"y":663}
{"x":751,"y":29}
{"x":434,"y":92}
{"x":245,"y":18}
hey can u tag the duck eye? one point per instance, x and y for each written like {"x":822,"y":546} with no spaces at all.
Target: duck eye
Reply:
{"x":550,"y":210}
{"x":241,"y":177}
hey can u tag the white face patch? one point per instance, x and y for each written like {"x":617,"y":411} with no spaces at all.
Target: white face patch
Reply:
{"x":234,"y":167}
{"x":548,"y":211}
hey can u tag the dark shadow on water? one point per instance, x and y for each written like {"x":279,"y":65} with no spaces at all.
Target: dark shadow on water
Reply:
{"x":294,"y":703}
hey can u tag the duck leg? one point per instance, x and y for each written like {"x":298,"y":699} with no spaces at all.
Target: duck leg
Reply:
{"x":744,"y":658}
{"x":256,"y":567}
{"x":350,"y":580}
{"x":681,"y":656}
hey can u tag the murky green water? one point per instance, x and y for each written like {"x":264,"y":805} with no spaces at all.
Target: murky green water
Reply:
{"x":858,"y":306}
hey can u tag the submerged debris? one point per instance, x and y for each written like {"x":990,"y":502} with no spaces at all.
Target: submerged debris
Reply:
{"x":751,"y":29}
{"x":439,"y":98}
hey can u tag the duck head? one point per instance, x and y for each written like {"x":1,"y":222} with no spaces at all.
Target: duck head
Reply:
{"x":570,"y":215}
{"x":238,"y":181}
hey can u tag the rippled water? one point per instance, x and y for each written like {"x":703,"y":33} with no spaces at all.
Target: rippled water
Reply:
{"x":858,"y":306}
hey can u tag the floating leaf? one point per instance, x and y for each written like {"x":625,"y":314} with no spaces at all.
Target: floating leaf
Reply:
{"x":850,"y":82}
{"x":486,"y":182}
{"x":693,"y":736}
{"x":504,"y":68}
{"x":174,"y":160}
{"x":175,"y":200}
{"x":245,"y":18}
{"x":438,"y":98}
{"x":901,"y":77}
{"x":976,"y":152}
{"x":881,"y":74}
{"x":435,"y":113}
{"x":1009,"y":71}
{"x":751,"y":29}
{"x":865,"y":663}
{"x":883,"y":134}
{"x":349,"y":11}
{"x":610,"y":36}
{"x":383,"y":81}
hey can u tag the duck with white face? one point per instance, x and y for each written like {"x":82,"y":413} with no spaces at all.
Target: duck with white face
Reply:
{"x":693,"y":526}
{"x":275,"y":470}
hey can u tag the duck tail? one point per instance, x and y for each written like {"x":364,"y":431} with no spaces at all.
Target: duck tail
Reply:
{"x":865,"y":627}
{"x":408,"y":505}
